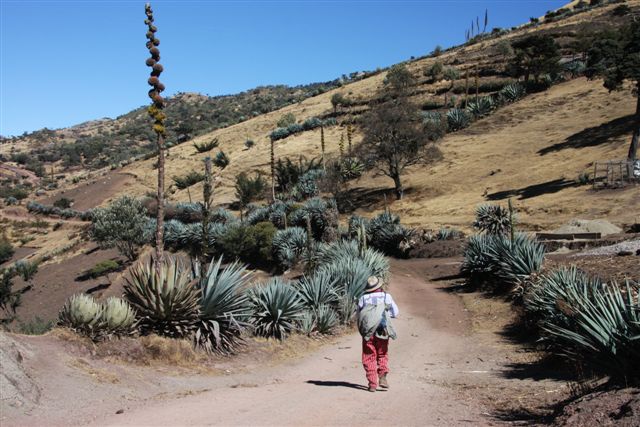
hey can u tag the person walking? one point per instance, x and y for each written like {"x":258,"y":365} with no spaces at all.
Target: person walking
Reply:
{"x":375,"y":310}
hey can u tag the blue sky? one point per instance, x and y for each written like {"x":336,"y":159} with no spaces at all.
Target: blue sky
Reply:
{"x":65,"y":62}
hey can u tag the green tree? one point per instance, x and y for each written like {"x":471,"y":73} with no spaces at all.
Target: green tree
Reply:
{"x":120,"y":225}
{"x":399,"y":78}
{"x":286,"y":120}
{"x":394,"y":140}
{"x":615,"y":57}
{"x":9,"y":299}
{"x":6,"y":249}
{"x":249,"y":189}
{"x":534,"y":56}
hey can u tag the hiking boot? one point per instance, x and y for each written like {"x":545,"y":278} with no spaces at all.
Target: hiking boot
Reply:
{"x":383,"y":381}
{"x":372,"y":388}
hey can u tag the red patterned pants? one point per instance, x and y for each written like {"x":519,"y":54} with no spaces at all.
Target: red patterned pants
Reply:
{"x":375,"y":359}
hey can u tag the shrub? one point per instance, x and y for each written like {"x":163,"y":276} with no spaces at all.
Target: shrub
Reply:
{"x":186,"y":181}
{"x":249,"y":143}
{"x":103,"y":267}
{"x":584,"y":179}
{"x":63,"y":203}
{"x":224,"y":307}
{"x":286,"y":120}
{"x":451,"y":74}
{"x":249,"y":243}
{"x":435,"y":70}
{"x":432,"y":105}
{"x":493,"y":219}
{"x":275,"y":309}
{"x":6,"y":249}
{"x":575,"y":68}
{"x":621,"y":10}
{"x":166,"y":304}
{"x":221,"y":160}
{"x":37,"y":326}
{"x":457,"y":119}
{"x":122,"y":225}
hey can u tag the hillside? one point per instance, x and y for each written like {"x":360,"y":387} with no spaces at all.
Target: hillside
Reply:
{"x":113,"y":142}
{"x":532,"y":150}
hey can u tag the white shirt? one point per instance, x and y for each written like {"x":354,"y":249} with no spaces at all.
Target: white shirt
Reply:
{"x":375,"y":298}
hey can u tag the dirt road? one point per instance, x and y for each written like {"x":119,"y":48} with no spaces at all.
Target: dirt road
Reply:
{"x":328,"y":388}
{"x":445,"y":371}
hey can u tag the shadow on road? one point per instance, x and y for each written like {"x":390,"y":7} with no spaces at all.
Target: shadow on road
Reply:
{"x":337,"y":384}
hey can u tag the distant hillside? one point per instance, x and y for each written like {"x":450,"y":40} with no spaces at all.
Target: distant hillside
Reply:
{"x":112,"y":142}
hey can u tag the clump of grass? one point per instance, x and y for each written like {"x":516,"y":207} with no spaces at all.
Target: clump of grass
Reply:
{"x":205,"y":146}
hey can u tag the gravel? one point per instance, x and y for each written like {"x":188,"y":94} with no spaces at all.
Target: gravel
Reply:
{"x":629,"y":246}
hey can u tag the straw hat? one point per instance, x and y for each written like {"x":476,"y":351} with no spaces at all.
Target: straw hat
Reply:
{"x":373,"y":284}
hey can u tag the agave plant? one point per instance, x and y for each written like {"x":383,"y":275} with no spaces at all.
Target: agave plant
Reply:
{"x":481,"y":107}
{"x":276,"y":307}
{"x":317,"y":289}
{"x":512,"y":92}
{"x":476,"y":263}
{"x":547,"y":296}
{"x":375,"y":261}
{"x":602,"y":332}
{"x":458,"y":119}
{"x":493,"y":219}
{"x":83,"y":314}
{"x":515,"y":261}
{"x":323,"y":214}
{"x":447,"y":234}
{"x":351,"y":168}
{"x":166,"y":304}
{"x":307,"y":322}
{"x":224,"y":307}
{"x":118,"y":316}
{"x":288,"y":245}
{"x":326,"y":319}
{"x":386,"y":234}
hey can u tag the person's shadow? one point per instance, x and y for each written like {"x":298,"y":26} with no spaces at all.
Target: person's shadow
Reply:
{"x":337,"y":384}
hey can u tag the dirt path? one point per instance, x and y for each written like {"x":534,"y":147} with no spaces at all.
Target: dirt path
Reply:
{"x":444,"y":372}
{"x":327,"y":388}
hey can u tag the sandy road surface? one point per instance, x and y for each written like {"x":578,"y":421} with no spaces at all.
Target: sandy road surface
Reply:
{"x":327,"y":388}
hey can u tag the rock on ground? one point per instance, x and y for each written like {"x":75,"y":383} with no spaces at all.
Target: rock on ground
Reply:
{"x":589,"y":226}
{"x":17,"y":389}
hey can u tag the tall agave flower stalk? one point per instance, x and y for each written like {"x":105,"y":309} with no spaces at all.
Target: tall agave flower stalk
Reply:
{"x":207,"y":194}
{"x":273,"y":170}
{"x":155,"y":111}
{"x":341,"y":145}
{"x":322,"y":147}
{"x":349,"y":136}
